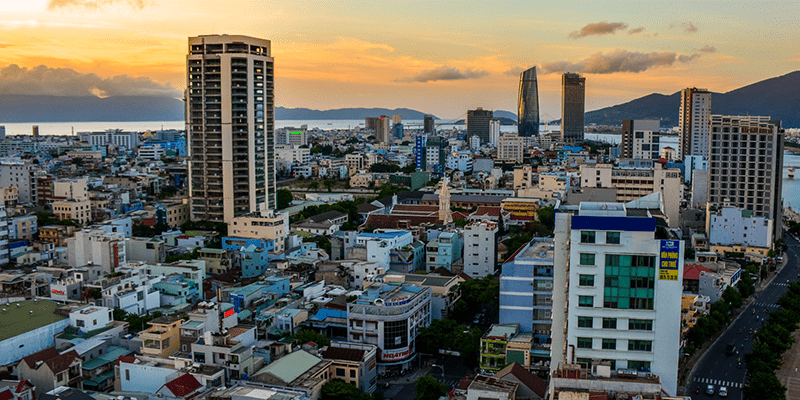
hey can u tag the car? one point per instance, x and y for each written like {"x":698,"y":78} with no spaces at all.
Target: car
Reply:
{"x":723,"y":391}
{"x":710,"y":389}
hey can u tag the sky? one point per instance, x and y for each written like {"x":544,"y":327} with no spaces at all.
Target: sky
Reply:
{"x":440,"y":57}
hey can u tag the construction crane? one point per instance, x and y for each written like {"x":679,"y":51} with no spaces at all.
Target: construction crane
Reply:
{"x":546,"y":118}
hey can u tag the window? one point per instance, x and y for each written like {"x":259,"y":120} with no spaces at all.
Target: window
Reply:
{"x":584,"y":343}
{"x":609,"y":344}
{"x":340,"y":372}
{"x":629,"y":281}
{"x":612,"y":237}
{"x":586,"y":280}
{"x":609,"y":323}
{"x":587,"y":259}
{"x":587,"y":236}
{"x":585,"y":301}
{"x":640,"y":345}
{"x":585,"y":322}
{"x":127,"y":374}
{"x":639,"y":365}
{"x":352,"y":373}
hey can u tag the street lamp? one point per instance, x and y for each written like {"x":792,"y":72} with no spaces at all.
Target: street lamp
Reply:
{"x":439,"y":366}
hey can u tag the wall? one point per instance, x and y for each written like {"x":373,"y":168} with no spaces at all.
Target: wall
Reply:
{"x":15,"y":348}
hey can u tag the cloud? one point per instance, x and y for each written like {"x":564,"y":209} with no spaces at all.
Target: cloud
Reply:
{"x":95,"y":4}
{"x":43,"y":80}
{"x":619,"y":61}
{"x":636,"y":30}
{"x":515,"y":71}
{"x":689,"y":27}
{"x":444,"y":73}
{"x":707,"y":49}
{"x":599,"y":28}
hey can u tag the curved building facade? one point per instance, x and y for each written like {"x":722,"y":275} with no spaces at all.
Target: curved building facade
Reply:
{"x":528,"y":104}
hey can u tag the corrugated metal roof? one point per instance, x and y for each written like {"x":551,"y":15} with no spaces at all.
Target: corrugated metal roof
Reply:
{"x":291,"y":366}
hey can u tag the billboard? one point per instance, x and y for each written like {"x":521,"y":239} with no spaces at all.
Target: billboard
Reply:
{"x":668,"y":257}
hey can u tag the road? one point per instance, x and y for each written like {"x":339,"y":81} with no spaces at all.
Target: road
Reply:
{"x":402,"y":388}
{"x":719,"y":369}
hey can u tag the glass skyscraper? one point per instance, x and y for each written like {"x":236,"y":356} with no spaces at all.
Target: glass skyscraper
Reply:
{"x":528,"y":103}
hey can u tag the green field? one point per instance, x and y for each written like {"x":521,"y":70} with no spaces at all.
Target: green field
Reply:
{"x":18,"y":320}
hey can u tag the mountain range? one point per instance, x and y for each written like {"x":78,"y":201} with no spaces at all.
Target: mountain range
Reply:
{"x":777,"y":97}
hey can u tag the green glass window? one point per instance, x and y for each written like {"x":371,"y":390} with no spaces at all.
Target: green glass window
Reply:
{"x":586,"y":280}
{"x":584,"y":343}
{"x":639,"y":365}
{"x":612,"y":237}
{"x":640,"y":345}
{"x":587,"y":236}
{"x":585,"y":301}
{"x":640,"y":324}
{"x":585,"y":322}
{"x":629,"y":281}
{"x":609,"y":323}
{"x":609,"y":344}
{"x":587,"y":259}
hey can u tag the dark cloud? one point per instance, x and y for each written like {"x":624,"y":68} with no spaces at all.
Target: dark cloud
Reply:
{"x":514,"y":71}
{"x":444,"y":73}
{"x":599,"y":28}
{"x":707,"y":49}
{"x":619,"y":61}
{"x":689,"y":27}
{"x":43,"y":80}
{"x":95,"y":4}
{"x":636,"y":30}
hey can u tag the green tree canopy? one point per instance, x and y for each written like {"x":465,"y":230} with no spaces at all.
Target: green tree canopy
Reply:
{"x":284,"y":198}
{"x":428,"y":388}
{"x":307,"y":335}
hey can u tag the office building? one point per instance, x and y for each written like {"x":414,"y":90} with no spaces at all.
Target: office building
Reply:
{"x":435,"y":154}
{"x":116,"y":137}
{"x":383,"y":130}
{"x":480,"y":248}
{"x":397,"y":119}
{"x":292,"y":136}
{"x":510,"y":148}
{"x":397,"y":131}
{"x":528,"y":104}
{"x":428,"y":125}
{"x":494,"y":132}
{"x":230,"y":121}
{"x":745,"y":167}
{"x":620,"y":292}
{"x":694,"y":120}
{"x":640,"y":139}
{"x":573,"y":98}
{"x":478,"y":123}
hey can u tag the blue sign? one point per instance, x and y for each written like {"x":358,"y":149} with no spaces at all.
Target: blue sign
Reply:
{"x":668,"y":265}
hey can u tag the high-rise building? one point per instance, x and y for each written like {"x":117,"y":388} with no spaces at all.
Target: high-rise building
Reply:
{"x":428,"y":125}
{"x":478,"y":123}
{"x":230,"y":125}
{"x":695,"y":119}
{"x":480,"y":255}
{"x":528,"y":104}
{"x":619,"y":297}
{"x":640,"y":139}
{"x":420,"y":151}
{"x":573,"y":99}
{"x":35,"y":130}
{"x":745,"y":168}
{"x":2,"y":132}
{"x":397,"y":131}
{"x":397,"y":119}
{"x":371,"y":123}
{"x":383,"y":131}
{"x":494,"y":132}
{"x":511,"y":148}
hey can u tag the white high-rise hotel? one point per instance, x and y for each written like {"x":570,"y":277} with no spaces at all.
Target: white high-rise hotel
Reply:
{"x":695,"y":118}
{"x":620,"y":289}
{"x":229,"y":123}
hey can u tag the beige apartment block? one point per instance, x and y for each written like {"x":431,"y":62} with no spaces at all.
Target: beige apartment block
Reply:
{"x":270,"y":225}
{"x":510,"y":147}
{"x":79,"y":211}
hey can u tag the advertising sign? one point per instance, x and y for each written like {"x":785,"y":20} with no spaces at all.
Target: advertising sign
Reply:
{"x":668,"y":265}
{"x":396,"y":355}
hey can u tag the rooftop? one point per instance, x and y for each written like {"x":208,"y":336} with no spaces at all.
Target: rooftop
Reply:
{"x":16,"y":321}
{"x":291,"y":366}
{"x":505,"y":330}
{"x":541,"y":249}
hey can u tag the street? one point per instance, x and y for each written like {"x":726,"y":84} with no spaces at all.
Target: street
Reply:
{"x":402,"y":388}
{"x":719,"y":369}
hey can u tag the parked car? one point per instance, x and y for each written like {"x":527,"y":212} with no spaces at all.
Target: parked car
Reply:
{"x":710,"y":389}
{"x":723,"y":392}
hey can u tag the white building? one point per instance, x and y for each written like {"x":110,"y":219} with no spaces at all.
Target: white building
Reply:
{"x":71,"y":189}
{"x":461,"y":161}
{"x":480,"y":249}
{"x":695,"y":117}
{"x":19,"y":173}
{"x":134,"y":295}
{"x":494,"y":132}
{"x":623,"y":297}
{"x":390,"y":317}
{"x":96,"y":247}
{"x":292,"y":154}
{"x":3,"y":236}
{"x":118,"y":138}
{"x":735,"y":226}
{"x":379,"y":244}
{"x":640,"y":139}
{"x":510,"y":148}
{"x":692,"y":163}
{"x":117,"y":225}
{"x":152,"y":152}
{"x":89,"y":318}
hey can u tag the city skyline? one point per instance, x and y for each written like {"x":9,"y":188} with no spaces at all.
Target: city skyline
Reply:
{"x":415,"y":59}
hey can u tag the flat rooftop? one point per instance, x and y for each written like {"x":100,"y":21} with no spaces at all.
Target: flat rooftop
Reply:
{"x":538,"y":251}
{"x":17,"y":321}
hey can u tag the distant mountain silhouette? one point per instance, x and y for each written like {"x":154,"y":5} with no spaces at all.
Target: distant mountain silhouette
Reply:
{"x":23,"y":108}
{"x":283,"y":113}
{"x":777,"y":97}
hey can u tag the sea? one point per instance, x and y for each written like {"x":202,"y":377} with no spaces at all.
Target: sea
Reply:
{"x":791,"y":186}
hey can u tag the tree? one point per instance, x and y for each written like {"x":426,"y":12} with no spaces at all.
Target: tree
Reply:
{"x":476,"y":294}
{"x":546,"y":215}
{"x":307,"y":335}
{"x":462,"y":222}
{"x":328,"y":184}
{"x":428,"y":388}
{"x":338,"y":389}
{"x":285,"y":198}
{"x":764,"y":385}
{"x":313,"y":185}
{"x":732,"y":297}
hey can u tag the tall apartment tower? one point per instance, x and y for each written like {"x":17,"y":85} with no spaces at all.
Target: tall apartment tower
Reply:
{"x":619,"y":292}
{"x":478,"y":123}
{"x":230,"y":122}
{"x":745,"y":168}
{"x":397,"y":119}
{"x":640,"y":139}
{"x":428,"y":125}
{"x":383,"y":130}
{"x":695,"y":117}
{"x":528,"y":104}
{"x":573,"y":100}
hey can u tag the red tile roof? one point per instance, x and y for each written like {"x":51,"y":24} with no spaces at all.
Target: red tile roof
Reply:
{"x":692,"y":271}
{"x":532,"y":381}
{"x":183,"y":385}
{"x":341,"y":353}
{"x":398,"y":221}
{"x":463,"y":384}
{"x":62,"y":361}
{"x":126,"y":360}
{"x":6,"y":394}
{"x":21,"y":385}
{"x":45,"y":354}
{"x":459,"y":215}
{"x":486,"y":210}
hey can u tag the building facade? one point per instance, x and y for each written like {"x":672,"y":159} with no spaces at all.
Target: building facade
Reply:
{"x":573,"y":99}
{"x":528,"y":104}
{"x":480,"y":248}
{"x":478,"y":123}
{"x":511,"y":148}
{"x":640,"y":139}
{"x":694,"y":120}
{"x":230,"y":121}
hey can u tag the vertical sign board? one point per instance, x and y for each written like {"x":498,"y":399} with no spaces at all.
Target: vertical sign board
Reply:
{"x":668,"y":257}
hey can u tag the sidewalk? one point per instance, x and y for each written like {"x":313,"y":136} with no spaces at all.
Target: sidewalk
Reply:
{"x":788,"y":373}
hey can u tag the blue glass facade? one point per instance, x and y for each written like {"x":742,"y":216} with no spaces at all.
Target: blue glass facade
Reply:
{"x":528,"y":104}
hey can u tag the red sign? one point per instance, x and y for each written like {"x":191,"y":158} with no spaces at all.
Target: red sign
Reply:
{"x":396,"y":355}
{"x":56,"y":291}
{"x":228,"y":313}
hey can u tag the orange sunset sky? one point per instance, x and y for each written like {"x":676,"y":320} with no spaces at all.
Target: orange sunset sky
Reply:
{"x":441,"y":57}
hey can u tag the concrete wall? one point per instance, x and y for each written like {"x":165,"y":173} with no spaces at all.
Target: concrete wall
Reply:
{"x":15,"y":348}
